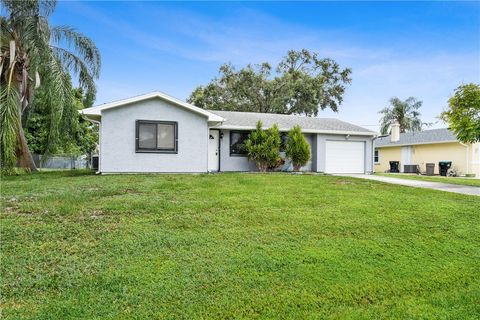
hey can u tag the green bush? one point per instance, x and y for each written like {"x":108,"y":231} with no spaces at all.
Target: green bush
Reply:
{"x":263,"y":147}
{"x":463,"y":113}
{"x":297,"y":148}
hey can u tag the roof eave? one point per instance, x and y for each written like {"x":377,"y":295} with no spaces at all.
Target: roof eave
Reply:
{"x":416,"y":143}
{"x":346,"y":132}
{"x":91,"y":116}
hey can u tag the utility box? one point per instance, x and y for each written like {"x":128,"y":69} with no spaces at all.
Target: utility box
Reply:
{"x":430,"y":169}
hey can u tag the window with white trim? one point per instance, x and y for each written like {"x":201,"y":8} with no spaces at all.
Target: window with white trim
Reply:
{"x":376,"y":156}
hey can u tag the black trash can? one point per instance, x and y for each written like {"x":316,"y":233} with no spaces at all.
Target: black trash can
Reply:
{"x":430,"y":169}
{"x":444,"y":166}
{"x":394,"y":166}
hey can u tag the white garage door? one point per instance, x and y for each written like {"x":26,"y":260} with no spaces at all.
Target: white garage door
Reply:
{"x":345,"y":157}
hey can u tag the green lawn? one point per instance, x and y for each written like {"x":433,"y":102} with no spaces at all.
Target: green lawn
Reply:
{"x":454,"y":180}
{"x":75,"y":245}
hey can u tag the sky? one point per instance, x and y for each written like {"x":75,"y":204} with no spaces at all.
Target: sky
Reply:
{"x":402,"y":49}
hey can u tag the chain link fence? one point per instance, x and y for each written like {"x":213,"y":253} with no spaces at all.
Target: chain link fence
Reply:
{"x":62,"y":161}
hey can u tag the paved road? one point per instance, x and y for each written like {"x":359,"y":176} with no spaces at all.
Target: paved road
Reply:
{"x":421,"y":184}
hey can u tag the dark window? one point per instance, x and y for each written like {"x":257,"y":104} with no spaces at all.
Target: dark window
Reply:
{"x":237,"y":142}
{"x":283,"y":143}
{"x":375,"y":157}
{"x":156,"y":136}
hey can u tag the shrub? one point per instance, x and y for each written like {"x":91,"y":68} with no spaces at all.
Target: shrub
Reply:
{"x":263,"y":147}
{"x":297,"y":148}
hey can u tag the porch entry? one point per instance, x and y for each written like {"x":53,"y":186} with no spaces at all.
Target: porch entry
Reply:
{"x":214,"y":151}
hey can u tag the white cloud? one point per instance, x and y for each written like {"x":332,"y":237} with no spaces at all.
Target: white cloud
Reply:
{"x":431,"y":78}
{"x":246,"y":36}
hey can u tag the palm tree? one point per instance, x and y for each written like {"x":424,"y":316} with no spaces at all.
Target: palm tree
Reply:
{"x":34,"y":54}
{"x":404,"y":112}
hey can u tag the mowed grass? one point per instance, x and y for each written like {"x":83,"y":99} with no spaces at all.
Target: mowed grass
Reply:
{"x":474,"y":182}
{"x":232,"y":246}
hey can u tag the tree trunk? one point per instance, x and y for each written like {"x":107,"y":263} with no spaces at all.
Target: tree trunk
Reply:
{"x":24,"y":157}
{"x":261,"y":166}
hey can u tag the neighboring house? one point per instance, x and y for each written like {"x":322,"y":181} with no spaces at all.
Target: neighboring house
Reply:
{"x":422,"y":147}
{"x":158,"y":133}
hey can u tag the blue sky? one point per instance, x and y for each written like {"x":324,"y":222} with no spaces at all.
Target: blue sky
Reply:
{"x":402,"y":49}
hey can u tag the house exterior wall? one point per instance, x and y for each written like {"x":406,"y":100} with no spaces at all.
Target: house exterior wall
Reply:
{"x":385,"y":155}
{"x":321,"y":148}
{"x":118,"y":154}
{"x":118,"y":139}
{"x":455,"y":152}
{"x":234,"y":162}
{"x":462,"y":156}
{"x":474,"y":154}
{"x":241,"y":163}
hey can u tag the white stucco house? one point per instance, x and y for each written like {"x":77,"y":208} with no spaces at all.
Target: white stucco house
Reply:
{"x":158,"y":133}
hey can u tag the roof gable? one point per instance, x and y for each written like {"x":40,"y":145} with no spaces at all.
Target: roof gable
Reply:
{"x":95,"y":112}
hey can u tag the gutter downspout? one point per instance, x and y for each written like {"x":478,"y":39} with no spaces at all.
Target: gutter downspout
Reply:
{"x":467,"y":158}
{"x":375,"y":137}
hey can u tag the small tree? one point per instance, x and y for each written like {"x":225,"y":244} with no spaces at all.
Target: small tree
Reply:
{"x":263,"y":147}
{"x":463,"y":114}
{"x":297,"y":148}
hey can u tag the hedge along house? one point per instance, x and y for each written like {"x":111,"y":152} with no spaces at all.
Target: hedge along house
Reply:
{"x":428,"y":146}
{"x":158,"y":133}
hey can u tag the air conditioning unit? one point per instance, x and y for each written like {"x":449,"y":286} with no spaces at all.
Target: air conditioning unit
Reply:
{"x":410,"y":168}
{"x":95,"y":163}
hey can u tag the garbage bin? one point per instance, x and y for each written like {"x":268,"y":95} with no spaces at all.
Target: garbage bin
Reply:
{"x":444,"y":166}
{"x":394,"y":166}
{"x":430,"y":169}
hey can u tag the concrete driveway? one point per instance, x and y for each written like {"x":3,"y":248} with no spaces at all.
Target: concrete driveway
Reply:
{"x":475,"y":191}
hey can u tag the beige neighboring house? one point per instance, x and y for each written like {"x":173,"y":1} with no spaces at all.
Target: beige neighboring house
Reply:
{"x":429,"y":146}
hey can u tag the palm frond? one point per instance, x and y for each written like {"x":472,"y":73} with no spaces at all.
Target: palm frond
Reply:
{"x":81,"y":44}
{"x":9,"y":122}
{"x":22,"y":8}
{"x":58,"y":93}
{"x":76,"y":65}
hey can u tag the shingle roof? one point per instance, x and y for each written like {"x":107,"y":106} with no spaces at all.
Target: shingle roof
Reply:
{"x":248,"y":120}
{"x":419,"y":137}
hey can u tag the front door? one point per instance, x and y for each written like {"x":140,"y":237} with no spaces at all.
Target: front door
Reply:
{"x":214,"y":150}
